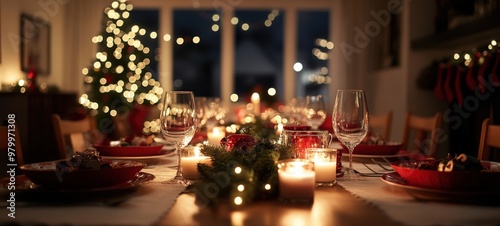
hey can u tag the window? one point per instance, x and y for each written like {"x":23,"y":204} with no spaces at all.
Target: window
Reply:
{"x":313,"y":46}
{"x":258,"y":54}
{"x":196,"y":52}
{"x":200,"y":66}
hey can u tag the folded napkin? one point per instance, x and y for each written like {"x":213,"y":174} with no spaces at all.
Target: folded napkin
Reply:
{"x":404,"y":209}
{"x":146,"y":206}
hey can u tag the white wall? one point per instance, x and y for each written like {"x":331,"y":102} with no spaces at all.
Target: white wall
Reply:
{"x":73,"y":23}
{"x":11,"y":12}
{"x":386,"y":88}
{"x":10,"y":67}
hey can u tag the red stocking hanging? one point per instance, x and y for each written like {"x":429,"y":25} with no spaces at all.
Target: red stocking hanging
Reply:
{"x":470,"y":79}
{"x":458,"y":85}
{"x":448,"y":83}
{"x":495,"y":79}
{"x":438,"y":89}
{"x":481,"y":73}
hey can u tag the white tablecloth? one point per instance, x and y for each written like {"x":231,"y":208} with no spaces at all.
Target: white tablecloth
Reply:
{"x":145,"y":207}
{"x":404,"y":209}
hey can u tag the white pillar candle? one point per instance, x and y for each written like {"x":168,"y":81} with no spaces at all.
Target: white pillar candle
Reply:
{"x":189,"y":164}
{"x":296,"y":181}
{"x":325,"y":165}
{"x":215,"y":135}
{"x":325,"y":171}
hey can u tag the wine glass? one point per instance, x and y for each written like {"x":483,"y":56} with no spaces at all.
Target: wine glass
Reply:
{"x":350,"y":122}
{"x":178,"y":125}
{"x":201,"y":111}
{"x":295,"y":108}
{"x":314,"y":111}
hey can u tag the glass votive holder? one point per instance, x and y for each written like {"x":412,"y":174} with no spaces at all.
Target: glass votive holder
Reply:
{"x":296,"y":181}
{"x":325,"y":165}
{"x":190,"y":157}
{"x":301,"y":140}
{"x":215,"y":134}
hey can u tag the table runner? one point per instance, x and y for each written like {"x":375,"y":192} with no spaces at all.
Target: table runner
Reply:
{"x":146,"y":206}
{"x":402,"y":208}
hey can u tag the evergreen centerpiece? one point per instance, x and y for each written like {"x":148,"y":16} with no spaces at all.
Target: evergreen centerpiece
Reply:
{"x":243,"y":169}
{"x":259,"y":129}
{"x":119,"y":77}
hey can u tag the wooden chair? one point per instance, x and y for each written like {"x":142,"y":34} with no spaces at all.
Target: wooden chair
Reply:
{"x":70,"y":135}
{"x":426,"y":131}
{"x":490,"y":138}
{"x":381,"y":125}
{"x":122,"y":127}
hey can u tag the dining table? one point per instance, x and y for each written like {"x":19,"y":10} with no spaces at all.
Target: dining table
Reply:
{"x":367,"y":201}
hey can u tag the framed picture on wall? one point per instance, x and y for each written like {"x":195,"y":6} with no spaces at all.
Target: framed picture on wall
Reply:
{"x":35,"y":45}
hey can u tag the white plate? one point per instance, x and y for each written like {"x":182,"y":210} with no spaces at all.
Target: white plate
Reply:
{"x":338,"y":146}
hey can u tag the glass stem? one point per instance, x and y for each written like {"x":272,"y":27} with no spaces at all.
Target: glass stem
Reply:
{"x":179,"y":168}
{"x":350,"y":158}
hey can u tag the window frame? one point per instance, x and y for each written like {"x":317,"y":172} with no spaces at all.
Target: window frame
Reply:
{"x":227,"y":8}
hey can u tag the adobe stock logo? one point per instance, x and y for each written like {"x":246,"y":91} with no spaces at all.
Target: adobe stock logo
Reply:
{"x":372,"y":29}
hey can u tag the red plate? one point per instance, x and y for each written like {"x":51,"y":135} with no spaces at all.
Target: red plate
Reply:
{"x":48,"y":175}
{"x":106,"y":150}
{"x":427,"y":194}
{"x":373,"y":149}
{"x":451,"y":181}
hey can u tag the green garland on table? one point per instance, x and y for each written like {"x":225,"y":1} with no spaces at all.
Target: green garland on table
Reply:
{"x":260,"y":129}
{"x":241,"y":175}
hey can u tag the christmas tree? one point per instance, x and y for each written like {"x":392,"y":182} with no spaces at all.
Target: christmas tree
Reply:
{"x":119,"y":78}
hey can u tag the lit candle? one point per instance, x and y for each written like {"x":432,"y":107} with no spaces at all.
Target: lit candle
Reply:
{"x":256,"y":103}
{"x":189,"y":164}
{"x":325,"y":165}
{"x":296,"y":181}
{"x":279,"y":128}
{"x":215,"y":135}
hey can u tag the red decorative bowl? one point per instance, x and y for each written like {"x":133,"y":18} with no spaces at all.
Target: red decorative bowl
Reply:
{"x":450,"y":181}
{"x":51,"y":174}
{"x":128,"y":151}
{"x":391,"y":148}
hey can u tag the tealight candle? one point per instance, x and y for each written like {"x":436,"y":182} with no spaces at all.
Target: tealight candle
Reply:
{"x":296,"y":180}
{"x":189,"y":163}
{"x":325,"y":165}
{"x":215,"y":135}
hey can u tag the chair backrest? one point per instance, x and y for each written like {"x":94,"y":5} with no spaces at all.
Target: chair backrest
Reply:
{"x":5,"y":135}
{"x":122,"y":127}
{"x":426,"y":131}
{"x":490,"y":138}
{"x":69,"y":133}
{"x":381,"y":125}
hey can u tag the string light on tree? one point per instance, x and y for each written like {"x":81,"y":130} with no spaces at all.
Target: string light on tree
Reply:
{"x":119,"y":76}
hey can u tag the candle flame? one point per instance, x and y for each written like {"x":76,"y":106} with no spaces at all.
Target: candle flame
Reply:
{"x":255,"y":98}
{"x":297,"y":168}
